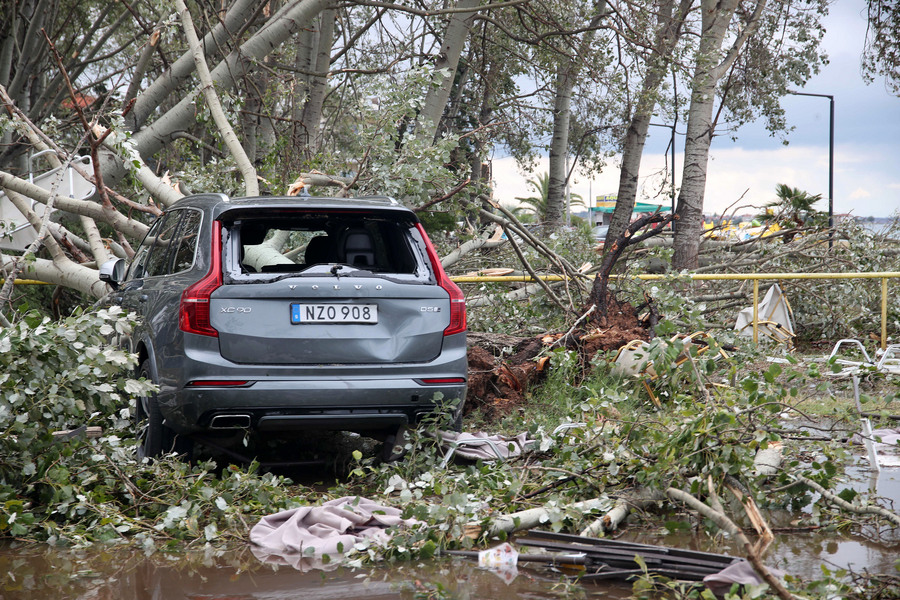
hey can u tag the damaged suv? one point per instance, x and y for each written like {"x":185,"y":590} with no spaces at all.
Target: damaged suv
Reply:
{"x":287,"y":314}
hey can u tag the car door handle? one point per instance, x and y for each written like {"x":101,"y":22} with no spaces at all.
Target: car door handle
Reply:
{"x":143,"y":297}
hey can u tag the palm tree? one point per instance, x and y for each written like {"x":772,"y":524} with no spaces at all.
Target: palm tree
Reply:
{"x":537,"y":205}
{"x":793,"y":207}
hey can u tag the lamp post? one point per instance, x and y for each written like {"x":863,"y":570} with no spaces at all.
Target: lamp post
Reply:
{"x":672,"y":145}
{"x":830,"y":155}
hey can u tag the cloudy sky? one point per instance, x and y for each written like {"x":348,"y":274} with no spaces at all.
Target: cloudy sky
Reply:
{"x":866,"y":154}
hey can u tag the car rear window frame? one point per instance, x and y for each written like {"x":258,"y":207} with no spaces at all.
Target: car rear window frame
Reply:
{"x":232,"y":251}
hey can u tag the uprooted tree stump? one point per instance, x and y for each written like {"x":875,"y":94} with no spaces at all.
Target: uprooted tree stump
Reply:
{"x":604,"y":302}
{"x":502,"y":368}
{"x":611,"y":323}
{"x":498,"y":383}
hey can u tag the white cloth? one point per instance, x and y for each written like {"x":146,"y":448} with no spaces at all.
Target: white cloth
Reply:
{"x":481,"y":446}
{"x":332,"y":528}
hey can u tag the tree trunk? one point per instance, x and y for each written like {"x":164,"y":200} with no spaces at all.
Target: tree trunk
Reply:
{"x":559,"y":146}
{"x":312,"y":112}
{"x":667,"y":35}
{"x":251,"y":184}
{"x":448,"y":59}
{"x":693,"y":179}
{"x":567,"y":75}
{"x":161,"y":89}
{"x":716,"y":17}
{"x":280,"y":27}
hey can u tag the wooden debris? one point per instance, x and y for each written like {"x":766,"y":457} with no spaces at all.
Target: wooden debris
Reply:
{"x":92,"y":432}
{"x":532,"y":517}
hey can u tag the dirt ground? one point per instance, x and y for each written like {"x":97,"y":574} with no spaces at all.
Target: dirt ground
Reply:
{"x":502,"y":367}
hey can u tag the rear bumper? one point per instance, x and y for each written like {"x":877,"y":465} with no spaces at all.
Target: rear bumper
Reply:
{"x":296,"y":398}
{"x":296,"y":405}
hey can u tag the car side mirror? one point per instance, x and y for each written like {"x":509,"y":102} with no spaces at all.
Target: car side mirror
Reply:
{"x":113,"y":272}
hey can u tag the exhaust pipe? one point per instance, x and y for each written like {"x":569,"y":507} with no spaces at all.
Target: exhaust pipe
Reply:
{"x":230,"y":422}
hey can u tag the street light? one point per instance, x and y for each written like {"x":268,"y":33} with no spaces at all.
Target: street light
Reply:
{"x":672,"y":145}
{"x":830,"y":156}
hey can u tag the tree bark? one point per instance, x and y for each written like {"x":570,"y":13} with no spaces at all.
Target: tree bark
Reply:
{"x":668,"y":33}
{"x":311,"y":117}
{"x":279,"y":28}
{"x":157,"y":92}
{"x":448,"y":59}
{"x":567,"y":75}
{"x":716,"y":17}
{"x":559,"y":146}
{"x":87,"y":208}
{"x":251,"y":184}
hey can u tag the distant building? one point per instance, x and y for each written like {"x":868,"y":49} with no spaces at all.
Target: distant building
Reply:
{"x":604,"y":205}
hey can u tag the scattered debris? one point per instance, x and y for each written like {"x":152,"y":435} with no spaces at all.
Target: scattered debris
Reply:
{"x":330,"y":529}
{"x":888,"y":363}
{"x":615,"y":559}
{"x":481,"y":446}
{"x":774,"y":318}
{"x":90,"y":432}
{"x":633,"y":358}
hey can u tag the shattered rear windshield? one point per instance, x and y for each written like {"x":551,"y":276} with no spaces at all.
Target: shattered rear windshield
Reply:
{"x":320,"y":242}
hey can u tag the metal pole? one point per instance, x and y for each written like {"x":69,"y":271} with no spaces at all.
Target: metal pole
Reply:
{"x":755,"y":311}
{"x":884,"y":306}
{"x":831,"y":171}
{"x":830,"y":157}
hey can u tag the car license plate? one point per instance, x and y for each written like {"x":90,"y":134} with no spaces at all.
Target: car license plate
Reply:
{"x":334,"y":313}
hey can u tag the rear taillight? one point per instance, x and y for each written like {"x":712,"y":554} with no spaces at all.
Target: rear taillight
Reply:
{"x":442,"y":380}
{"x":457,"y":299}
{"x":194,"y":310}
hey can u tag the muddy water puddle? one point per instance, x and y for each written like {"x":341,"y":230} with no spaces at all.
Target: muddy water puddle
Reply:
{"x":39,"y":572}
{"x":125,"y":575}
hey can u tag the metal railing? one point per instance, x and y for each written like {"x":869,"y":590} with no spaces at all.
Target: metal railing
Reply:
{"x":755,"y":277}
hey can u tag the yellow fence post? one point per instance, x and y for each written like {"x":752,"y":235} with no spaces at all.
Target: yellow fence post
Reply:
{"x":756,"y":311}
{"x":884,"y":313}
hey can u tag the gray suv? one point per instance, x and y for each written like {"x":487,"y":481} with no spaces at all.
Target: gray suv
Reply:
{"x":287,"y":314}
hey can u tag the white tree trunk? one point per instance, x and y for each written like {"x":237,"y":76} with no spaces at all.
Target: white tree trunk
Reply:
{"x":66,"y":273}
{"x":668,"y":33}
{"x":251,"y":184}
{"x":280,"y":27}
{"x":318,"y":85}
{"x":559,"y":145}
{"x":114,"y":218}
{"x":567,"y":75}
{"x":454,"y":41}
{"x":161,"y":89}
{"x":716,"y":17}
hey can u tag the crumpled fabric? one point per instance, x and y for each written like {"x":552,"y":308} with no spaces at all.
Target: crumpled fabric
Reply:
{"x":330,"y":529}
{"x":481,"y":446}
{"x":740,"y":572}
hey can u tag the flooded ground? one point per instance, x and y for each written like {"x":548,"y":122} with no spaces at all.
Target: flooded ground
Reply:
{"x":30,"y":572}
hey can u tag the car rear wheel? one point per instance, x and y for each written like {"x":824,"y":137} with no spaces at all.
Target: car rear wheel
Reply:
{"x":152,"y":435}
